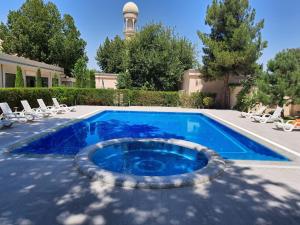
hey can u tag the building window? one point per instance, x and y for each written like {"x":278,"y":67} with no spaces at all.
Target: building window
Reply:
{"x":10,"y":80}
{"x":44,"y":81}
{"x":30,"y":81}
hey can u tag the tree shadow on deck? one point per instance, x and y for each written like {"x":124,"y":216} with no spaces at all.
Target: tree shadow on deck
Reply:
{"x":42,"y":191}
{"x":21,"y":131}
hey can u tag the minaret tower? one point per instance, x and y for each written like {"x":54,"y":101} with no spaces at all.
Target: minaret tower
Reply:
{"x":130,"y":12}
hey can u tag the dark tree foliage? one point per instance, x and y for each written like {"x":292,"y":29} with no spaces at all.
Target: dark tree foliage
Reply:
{"x":154,"y":59}
{"x":281,"y":83}
{"x":38,"y":32}
{"x":234,"y":43}
{"x":111,"y":55}
{"x":81,"y":73}
{"x":157,"y":58}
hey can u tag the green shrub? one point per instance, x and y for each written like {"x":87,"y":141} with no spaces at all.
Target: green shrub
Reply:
{"x":88,"y":96}
{"x":208,"y":101}
{"x":151,"y":98}
{"x":92,"y":96}
{"x":196,"y":100}
{"x":185,"y":100}
{"x":19,"y":82}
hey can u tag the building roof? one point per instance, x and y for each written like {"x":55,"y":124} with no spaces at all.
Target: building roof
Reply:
{"x":130,"y":7}
{"x":13,"y":59}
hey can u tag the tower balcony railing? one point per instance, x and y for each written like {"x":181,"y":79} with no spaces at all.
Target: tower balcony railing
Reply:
{"x":129,"y":29}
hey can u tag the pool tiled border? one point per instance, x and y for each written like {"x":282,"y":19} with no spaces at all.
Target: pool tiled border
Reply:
{"x":215,"y":167}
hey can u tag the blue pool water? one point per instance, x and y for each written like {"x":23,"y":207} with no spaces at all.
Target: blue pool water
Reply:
{"x":119,"y":124}
{"x":149,"y":159}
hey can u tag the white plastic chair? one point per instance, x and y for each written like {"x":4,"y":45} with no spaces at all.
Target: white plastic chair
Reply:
{"x":8,"y":114}
{"x":48,"y":109}
{"x":289,"y":125}
{"x":63,"y":107}
{"x":254,"y":113}
{"x":33,"y":111}
{"x":268,"y":118}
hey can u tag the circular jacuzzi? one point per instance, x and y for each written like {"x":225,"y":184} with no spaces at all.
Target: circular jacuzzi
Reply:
{"x":149,"y":163}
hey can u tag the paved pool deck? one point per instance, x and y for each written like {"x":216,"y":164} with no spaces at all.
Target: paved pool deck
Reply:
{"x":50,"y":190}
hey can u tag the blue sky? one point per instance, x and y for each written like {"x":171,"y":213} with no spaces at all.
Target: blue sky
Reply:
{"x":97,"y":19}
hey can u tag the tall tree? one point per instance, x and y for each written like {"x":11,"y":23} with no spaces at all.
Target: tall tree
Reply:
{"x":73,"y":45}
{"x":19,"y":82}
{"x":124,"y":81}
{"x":38,"y":79}
{"x":282,"y":79}
{"x":110,"y":55}
{"x":157,"y":58}
{"x":154,"y":59}
{"x":80,"y":72}
{"x":55,"y":81}
{"x":92,"y":81}
{"x":38,"y":32}
{"x":234,"y":44}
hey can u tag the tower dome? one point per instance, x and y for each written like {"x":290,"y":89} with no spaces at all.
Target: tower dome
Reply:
{"x":130,"y":7}
{"x":130,"y":13}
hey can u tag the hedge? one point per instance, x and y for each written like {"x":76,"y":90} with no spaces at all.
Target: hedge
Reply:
{"x":108,"y":97}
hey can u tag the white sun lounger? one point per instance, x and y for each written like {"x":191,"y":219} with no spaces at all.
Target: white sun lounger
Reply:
{"x":8,"y":114}
{"x":48,"y":109}
{"x":268,"y":118}
{"x":37,"y":112}
{"x":290,"y":125}
{"x":63,"y":107}
{"x":254,"y":113}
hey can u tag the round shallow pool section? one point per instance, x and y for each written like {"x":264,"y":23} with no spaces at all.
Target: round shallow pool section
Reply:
{"x":149,"y":158}
{"x":149,"y":163}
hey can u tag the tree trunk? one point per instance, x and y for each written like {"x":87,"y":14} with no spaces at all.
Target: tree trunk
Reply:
{"x":226,"y":100}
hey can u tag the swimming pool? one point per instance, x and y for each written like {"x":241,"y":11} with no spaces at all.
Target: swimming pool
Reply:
{"x":194,"y":127}
{"x":149,"y":158}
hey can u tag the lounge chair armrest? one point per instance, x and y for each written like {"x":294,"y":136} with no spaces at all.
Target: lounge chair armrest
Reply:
{"x":19,"y":113}
{"x":37,"y":110}
{"x":63,"y":105}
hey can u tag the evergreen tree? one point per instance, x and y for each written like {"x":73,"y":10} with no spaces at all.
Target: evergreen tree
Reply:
{"x":234,"y":44}
{"x":110,"y":56}
{"x":80,"y":72}
{"x":281,"y":80}
{"x":19,"y":82}
{"x":55,"y":81}
{"x":38,"y":79}
{"x":92,"y":79}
